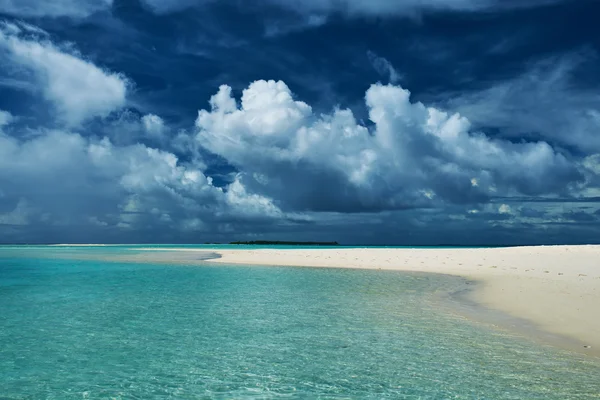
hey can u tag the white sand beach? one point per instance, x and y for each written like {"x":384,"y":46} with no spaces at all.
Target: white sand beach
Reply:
{"x":557,"y":288}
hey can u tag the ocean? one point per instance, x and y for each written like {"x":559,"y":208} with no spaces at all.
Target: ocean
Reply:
{"x":82,"y":323}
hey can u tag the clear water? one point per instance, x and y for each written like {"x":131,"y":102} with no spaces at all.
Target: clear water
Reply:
{"x":83,"y":328}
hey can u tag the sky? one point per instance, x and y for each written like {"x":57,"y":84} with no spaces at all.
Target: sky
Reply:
{"x":414,"y":122}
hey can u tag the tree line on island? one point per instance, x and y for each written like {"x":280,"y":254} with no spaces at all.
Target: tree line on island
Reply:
{"x":284,"y":243}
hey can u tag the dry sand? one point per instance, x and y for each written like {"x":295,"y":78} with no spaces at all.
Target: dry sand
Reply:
{"x":557,"y":288}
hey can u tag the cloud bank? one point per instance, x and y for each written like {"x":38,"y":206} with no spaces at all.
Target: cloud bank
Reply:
{"x":413,"y":156}
{"x":62,"y":180}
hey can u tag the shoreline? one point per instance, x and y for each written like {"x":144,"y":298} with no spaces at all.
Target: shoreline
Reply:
{"x":550,"y":293}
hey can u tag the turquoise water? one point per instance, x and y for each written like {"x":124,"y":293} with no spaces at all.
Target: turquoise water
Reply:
{"x":111,"y":247}
{"x":85,"y":328}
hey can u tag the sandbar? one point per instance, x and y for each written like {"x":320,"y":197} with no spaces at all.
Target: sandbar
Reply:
{"x":555,"y":288}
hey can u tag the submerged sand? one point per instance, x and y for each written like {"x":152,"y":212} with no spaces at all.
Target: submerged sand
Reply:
{"x":557,"y":288}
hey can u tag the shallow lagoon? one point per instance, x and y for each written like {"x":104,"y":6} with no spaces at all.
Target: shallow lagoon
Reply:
{"x":74,"y":326}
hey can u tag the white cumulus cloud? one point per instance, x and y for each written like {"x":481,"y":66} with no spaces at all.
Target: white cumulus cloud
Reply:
{"x":5,"y":118}
{"x":504,"y":209}
{"x":331,"y":162}
{"x":154,"y":125}
{"x":74,"y":181}
{"x":77,"y":88}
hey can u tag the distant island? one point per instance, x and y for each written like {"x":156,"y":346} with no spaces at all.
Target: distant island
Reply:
{"x":282,"y":243}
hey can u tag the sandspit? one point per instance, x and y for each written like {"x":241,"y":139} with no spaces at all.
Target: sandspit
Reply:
{"x":557,"y":288}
